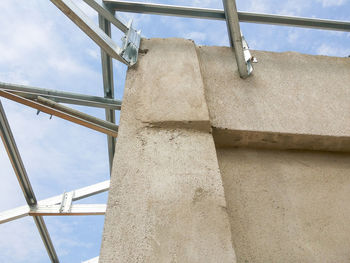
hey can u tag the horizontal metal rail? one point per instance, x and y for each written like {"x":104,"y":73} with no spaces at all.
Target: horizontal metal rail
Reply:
{"x":20,"y":171}
{"x":13,"y":214}
{"x":49,"y":205}
{"x":217,"y":14}
{"x":77,"y":113}
{"x":52,"y":210}
{"x":61,"y":114}
{"x":75,"y":210}
{"x":62,"y":96}
{"x":168,"y":10}
{"x":79,"y":194}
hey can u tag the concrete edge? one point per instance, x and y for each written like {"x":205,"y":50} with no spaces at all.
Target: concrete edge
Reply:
{"x":281,"y":141}
{"x":202,"y":126}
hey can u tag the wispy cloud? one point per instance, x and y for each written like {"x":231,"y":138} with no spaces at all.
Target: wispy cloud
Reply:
{"x":328,"y":3}
{"x":39,"y":46}
{"x":331,"y":50}
{"x":20,"y":242}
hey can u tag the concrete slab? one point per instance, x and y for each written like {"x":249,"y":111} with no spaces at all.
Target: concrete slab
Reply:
{"x":292,"y":100}
{"x":166,"y":200}
{"x":287,"y":206}
{"x":172,"y":87}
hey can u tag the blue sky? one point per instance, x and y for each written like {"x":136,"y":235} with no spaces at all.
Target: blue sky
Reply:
{"x":41,"y":47}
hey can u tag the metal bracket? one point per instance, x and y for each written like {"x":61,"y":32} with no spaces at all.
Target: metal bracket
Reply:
{"x":131,"y":44}
{"x":66,"y":203}
{"x":249,"y":59}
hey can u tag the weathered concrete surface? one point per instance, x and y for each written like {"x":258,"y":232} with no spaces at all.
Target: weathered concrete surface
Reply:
{"x":166,"y":200}
{"x":292,"y":101}
{"x":287,"y":206}
{"x":172,"y":87}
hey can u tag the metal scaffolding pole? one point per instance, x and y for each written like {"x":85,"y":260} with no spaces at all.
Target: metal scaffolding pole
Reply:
{"x":18,"y":167}
{"x":107,"y":14}
{"x":53,"y":108}
{"x":69,"y":8}
{"x":217,"y":14}
{"x":108,"y":85}
{"x":62,"y":96}
{"x":235,"y":37}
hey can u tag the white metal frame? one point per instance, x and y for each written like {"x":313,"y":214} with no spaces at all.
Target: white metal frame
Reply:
{"x":62,"y":96}
{"x":61,"y":205}
{"x":48,"y":100}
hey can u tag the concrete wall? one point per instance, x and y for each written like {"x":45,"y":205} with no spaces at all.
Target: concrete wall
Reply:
{"x":209,"y":166}
{"x":287,"y":206}
{"x":166,"y":200}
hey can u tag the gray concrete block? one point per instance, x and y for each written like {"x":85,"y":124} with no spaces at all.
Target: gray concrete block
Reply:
{"x":166,"y":200}
{"x":170,"y":84}
{"x":291,"y":101}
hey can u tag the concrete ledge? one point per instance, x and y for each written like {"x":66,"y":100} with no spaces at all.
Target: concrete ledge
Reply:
{"x":280,"y":141}
{"x":292,"y":100}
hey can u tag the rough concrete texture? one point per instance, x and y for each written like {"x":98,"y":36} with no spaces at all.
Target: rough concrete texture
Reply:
{"x":166,"y":200}
{"x":291,"y":101}
{"x":172,"y":87}
{"x":287,"y":206}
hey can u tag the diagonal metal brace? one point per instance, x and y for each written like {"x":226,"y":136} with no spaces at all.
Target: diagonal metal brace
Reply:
{"x":127,"y":54}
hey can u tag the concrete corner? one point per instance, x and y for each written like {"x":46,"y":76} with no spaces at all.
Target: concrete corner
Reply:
{"x":166,"y":200}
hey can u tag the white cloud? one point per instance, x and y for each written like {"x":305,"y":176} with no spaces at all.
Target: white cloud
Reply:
{"x":196,"y":36}
{"x":293,"y":36}
{"x":333,"y":50}
{"x":39,"y":46}
{"x":93,"y":53}
{"x":39,"y":42}
{"x":20,"y":242}
{"x":258,"y":6}
{"x":329,"y":3}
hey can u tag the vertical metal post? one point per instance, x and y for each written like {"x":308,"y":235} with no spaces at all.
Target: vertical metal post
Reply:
{"x":20,"y":171}
{"x":235,"y":36}
{"x":108,"y":85}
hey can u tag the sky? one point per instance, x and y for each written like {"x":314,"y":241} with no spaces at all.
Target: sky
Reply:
{"x":41,"y":47}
